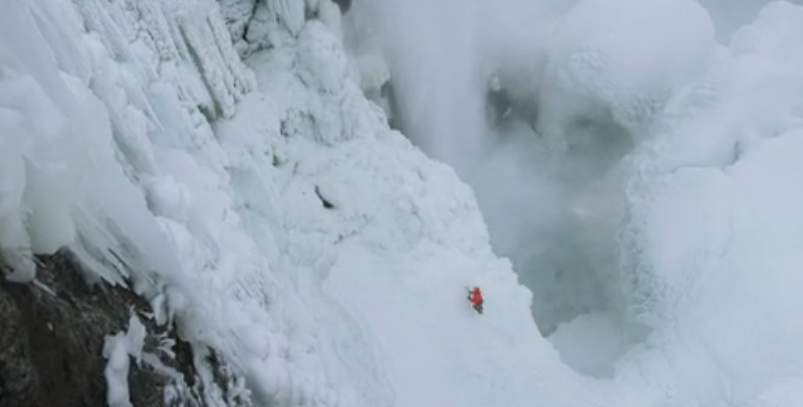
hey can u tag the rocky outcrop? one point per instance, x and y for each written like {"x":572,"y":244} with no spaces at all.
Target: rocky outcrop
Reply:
{"x":52,"y":340}
{"x":19,"y":381}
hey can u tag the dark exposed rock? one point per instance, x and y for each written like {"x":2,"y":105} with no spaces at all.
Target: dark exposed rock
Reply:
{"x":51,"y":343}
{"x":19,"y":382}
{"x":65,"y":336}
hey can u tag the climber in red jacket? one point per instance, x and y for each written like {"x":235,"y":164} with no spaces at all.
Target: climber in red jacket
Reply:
{"x":475,"y":297}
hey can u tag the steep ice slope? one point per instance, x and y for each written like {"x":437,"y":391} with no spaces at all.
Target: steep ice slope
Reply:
{"x":319,"y":253}
{"x":705,"y":264}
{"x":702,"y":230}
{"x":383,"y":243}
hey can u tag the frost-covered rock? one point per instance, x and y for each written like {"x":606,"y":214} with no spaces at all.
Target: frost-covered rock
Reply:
{"x":618,"y":61}
{"x":238,"y":14}
{"x":747,"y":97}
{"x":52,"y":342}
{"x":117,"y":350}
{"x":81,"y":126}
{"x":706,"y":263}
{"x":276,"y":23}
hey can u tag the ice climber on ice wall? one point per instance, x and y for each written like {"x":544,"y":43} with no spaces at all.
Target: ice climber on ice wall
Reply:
{"x":475,"y":297}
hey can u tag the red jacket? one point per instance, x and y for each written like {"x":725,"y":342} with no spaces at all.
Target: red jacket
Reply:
{"x":476,"y":296}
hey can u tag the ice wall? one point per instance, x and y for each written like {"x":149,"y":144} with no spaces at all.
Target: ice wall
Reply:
{"x":265,"y":208}
{"x":95,"y":97}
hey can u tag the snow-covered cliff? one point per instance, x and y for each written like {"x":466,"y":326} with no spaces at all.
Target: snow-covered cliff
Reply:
{"x":265,"y":209}
{"x":222,"y":161}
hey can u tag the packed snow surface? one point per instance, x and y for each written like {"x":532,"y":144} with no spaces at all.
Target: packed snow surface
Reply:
{"x":224,"y":161}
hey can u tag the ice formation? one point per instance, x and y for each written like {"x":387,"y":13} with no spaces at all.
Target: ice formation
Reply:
{"x":224,"y":161}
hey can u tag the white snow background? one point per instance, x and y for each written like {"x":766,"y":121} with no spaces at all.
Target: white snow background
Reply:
{"x":245,"y":182}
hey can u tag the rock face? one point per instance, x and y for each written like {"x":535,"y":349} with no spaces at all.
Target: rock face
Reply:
{"x":19,"y":381}
{"x":52,"y":337}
